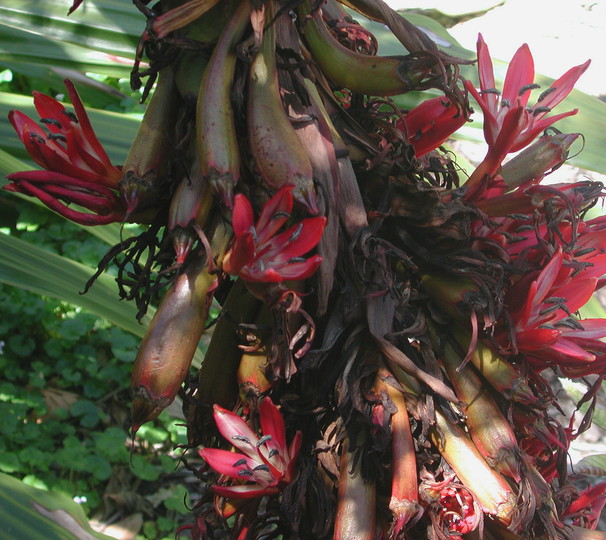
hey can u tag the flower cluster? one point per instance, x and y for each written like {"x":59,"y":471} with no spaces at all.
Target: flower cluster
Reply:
{"x":407,"y":329}
{"x":509,"y":124}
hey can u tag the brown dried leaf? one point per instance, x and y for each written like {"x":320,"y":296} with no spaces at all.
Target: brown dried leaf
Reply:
{"x":58,"y":399}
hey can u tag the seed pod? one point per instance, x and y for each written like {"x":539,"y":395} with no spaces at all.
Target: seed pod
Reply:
{"x":189,"y":68}
{"x":548,"y":152}
{"x":489,"y":429}
{"x":355,"y":518}
{"x":170,"y":342}
{"x":361,"y":73}
{"x":150,"y":152}
{"x":489,"y":488}
{"x":252,"y":379}
{"x":448,"y":294}
{"x":276,"y":150}
{"x":171,"y":339}
{"x":315,"y":135}
{"x":349,"y":202}
{"x":502,"y":375}
{"x":217,"y":376}
{"x":190,"y":206}
{"x":404,"y":501}
{"x":215,"y":126}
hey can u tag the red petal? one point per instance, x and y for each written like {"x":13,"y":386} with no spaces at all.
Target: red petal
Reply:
{"x":513,"y":124}
{"x":486,"y":74}
{"x":300,"y":270}
{"x":538,"y":338}
{"x":255,"y":274}
{"x":572,"y":351}
{"x":90,"y":201}
{"x":564,"y":85}
{"x":24,"y":125}
{"x":47,"y":107}
{"x":275,"y":213}
{"x":491,"y":125}
{"x":52,"y":157}
{"x":241,"y":254}
{"x":73,"y":215}
{"x":520,"y":72}
{"x":538,"y":126}
{"x":236,"y":431}
{"x":429,"y":124}
{"x":547,"y":277}
{"x":223,"y":461}
{"x":84,"y":122}
{"x":242,"y":215}
{"x":82,"y":155}
{"x":52,"y":177}
{"x":295,"y":241}
{"x":272,"y":424}
{"x":577,"y":292}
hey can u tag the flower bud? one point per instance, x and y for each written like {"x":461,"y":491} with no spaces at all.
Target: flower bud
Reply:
{"x":548,"y":152}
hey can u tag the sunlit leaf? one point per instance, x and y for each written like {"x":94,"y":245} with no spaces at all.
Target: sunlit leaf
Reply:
{"x":29,"y":267}
{"x":100,"y":37}
{"x":27,"y":512}
{"x":92,"y":92}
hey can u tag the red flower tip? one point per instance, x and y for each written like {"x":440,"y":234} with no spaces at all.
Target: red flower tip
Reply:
{"x":267,"y":463}
{"x":77,"y":171}
{"x":430,"y":123}
{"x":259,"y":253}
{"x":585,"y":510}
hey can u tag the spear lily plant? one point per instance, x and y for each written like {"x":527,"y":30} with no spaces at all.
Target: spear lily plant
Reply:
{"x":404,"y":319}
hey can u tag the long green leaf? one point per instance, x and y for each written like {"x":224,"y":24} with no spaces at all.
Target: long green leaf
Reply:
{"x":93,"y":92}
{"x":101,"y":37}
{"x":109,"y":26}
{"x":26,"y":266}
{"x":30,"y":513}
{"x":17,"y":45}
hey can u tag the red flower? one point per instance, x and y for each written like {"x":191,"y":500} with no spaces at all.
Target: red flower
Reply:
{"x":509,"y":124}
{"x":430,"y":123}
{"x":586,"y":509}
{"x":77,"y":168}
{"x":542,"y":306}
{"x":267,"y":462}
{"x":544,"y":441}
{"x":453,"y":508}
{"x":259,"y":254}
{"x":498,"y":107}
